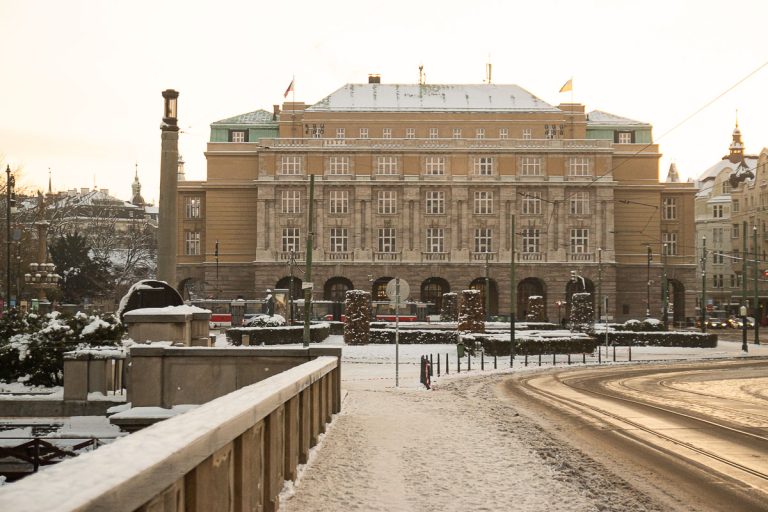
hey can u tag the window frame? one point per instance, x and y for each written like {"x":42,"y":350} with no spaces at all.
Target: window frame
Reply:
{"x":579,"y":240}
{"x":386,"y":202}
{"x":338,"y":202}
{"x":435,"y":239}
{"x":483,"y":202}
{"x":192,"y":243}
{"x":434,"y":202}
{"x":290,"y":201}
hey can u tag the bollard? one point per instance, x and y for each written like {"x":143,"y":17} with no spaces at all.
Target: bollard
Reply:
{"x":584,"y":357}
{"x":438,"y":365}
{"x":482,"y":360}
{"x":539,"y":359}
{"x":599,"y":360}
{"x":446,"y":364}
{"x":469,"y":362}
{"x":630,"y":352}
{"x":554,"y":359}
{"x":431,"y":372}
{"x":569,"y":359}
{"x":494,"y":362}
{"x":614,"y":353}
{"x":526,"y":359}
{"x":458,"y":363}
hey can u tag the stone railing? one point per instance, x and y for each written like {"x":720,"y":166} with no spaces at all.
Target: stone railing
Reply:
{"x":232,"y":453}
{"x":484,"y":256}
{"x":93,"y":371}
{"x":531,"y":256}
{"x":580,"y":256}
{"x":447,"y":144}
{"x":436,"y":256}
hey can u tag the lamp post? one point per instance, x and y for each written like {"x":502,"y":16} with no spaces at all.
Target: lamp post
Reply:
{"x":487,"y":290}
{"x":743,"y":308}
{"x":648,"y":285}
{"x":664,"y":286}
{"x":42,"y":275}
{"x":703,"y":284}
{"x":757,"y":286}
{"x":599,"y":284}
{"x":169,"y":171}
{"x":216,"y":252}
{"x":10,"y":201}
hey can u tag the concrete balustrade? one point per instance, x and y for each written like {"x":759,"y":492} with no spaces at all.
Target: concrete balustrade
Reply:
{"x":230,"y":454}
{"x":184,"y":325}
{"x":90,"y":371}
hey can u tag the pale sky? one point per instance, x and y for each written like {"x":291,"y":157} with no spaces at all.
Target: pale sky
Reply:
{"x":81,"y":81}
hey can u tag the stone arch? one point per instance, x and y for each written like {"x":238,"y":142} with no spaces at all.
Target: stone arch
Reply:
{"x":432,"y":290}
{"x":295,"y":292}
{"x":192,"y":288}
{"x":336,"y":288}
{"x":479,"y":284}
{"x":379,"y":289}
{"x":525,"y":288}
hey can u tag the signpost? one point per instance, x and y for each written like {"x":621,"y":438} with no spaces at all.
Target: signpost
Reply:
{"x":396,"y":289}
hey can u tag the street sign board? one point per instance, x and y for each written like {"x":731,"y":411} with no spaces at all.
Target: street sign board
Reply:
{"x":304,"y":286}
{"x":405,"y":290}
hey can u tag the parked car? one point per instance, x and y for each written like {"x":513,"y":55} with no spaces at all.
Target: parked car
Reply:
{"x":736,"y":322}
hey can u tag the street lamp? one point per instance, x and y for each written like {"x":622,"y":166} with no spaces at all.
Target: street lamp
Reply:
{"x":42,"y":275}
{"x":648,"y":285}
{"x":10,"y":203}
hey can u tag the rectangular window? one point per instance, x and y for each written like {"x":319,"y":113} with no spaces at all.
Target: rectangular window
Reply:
{"x":480,"y":133}
{"x":192,"y":243}
{"x":669,"y":243}
{"x":193,"y":206}
{"x":290,"y":201}
{"x":735,"y":280}
{"x":483,"y":240}
{"x":669,"y":208}
{"x":579,"y":203}
{"x":483,"y":202}
{"x":734,"y":231}
{"x":530,"y":166}
{"x":290,"y":240}
{"x":579,"y":241}
{"x":580,"y":166}
{"x":736,"y":206}
{"x":456,"y":133}
{"x":717,"y":280}
{"x":531,"y":203}
{"x":434,"y":165}
{"x":527,"y":134}
{"x":717,"y":236}
{"x":386,"y":165}
{"x":363,"y":133}
{"x":387,"y":240}
{"x":718,"y":258}
{"x":435,"y":202}
{"x":483,"y":165}
{"x":290,"y":164}
{"x":550,"y":131}
{"x":717,"y":211}
{"x":435,"y":240}
{"x":531,"y":240}
{"x":410,"y":133}
{"x":726,"y":187}
{"x":387,"y":202}
{"x":338,"y":201}
{"x":625,"y":138}
{"x":338,"y":240}
{"x":338,"y":165}
{"x":433,"y":133}
{"x":386,"y":133}
{"x":238,"y":136}
{"x":503,"y":133}
{"x":341,"y":133}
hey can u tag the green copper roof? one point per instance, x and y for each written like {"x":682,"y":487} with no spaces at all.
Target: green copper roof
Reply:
{"x":256,"y":117}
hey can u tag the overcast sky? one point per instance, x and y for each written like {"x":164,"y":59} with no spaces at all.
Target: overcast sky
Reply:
{"x":80,"y":81}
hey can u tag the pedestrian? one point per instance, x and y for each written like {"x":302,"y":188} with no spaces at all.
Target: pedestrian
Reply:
{"x":269,"y":304}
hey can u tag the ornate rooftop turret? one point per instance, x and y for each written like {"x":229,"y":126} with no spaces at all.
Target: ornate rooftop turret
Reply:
{"x":136,"y":197}
{"x":736,"y":148}
{"x":673,"y":176}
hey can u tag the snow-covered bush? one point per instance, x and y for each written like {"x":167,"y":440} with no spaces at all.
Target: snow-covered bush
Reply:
{"x":281,"y":335}
{"x":32,"y":347}
{"x":449,"y":309}
{"x":265,"y":321}
{"x":357,"y":308}
{"x":536,"y":311}
{"x":647,"y":325}
{"x":471,"y":312}
{"x":582,"y":312}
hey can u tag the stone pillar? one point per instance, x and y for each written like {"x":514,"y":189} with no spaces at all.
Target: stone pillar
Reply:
{"x":169,"y":160}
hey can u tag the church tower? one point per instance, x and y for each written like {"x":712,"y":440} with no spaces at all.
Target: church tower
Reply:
{"x":136,"y":197}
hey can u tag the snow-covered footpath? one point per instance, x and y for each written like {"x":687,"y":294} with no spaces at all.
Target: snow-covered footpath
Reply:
{"x":458,"y":447}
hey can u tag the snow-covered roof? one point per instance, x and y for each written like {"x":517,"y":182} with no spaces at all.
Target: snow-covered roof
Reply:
{"x":255,"y":117}
{"x":91,"y":198}
{"x":712,"y":172}
{"x":600,"y":118}
{"x":431,"y":98}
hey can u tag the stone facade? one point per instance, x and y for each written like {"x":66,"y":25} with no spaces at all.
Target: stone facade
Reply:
{"x":424,"y":182}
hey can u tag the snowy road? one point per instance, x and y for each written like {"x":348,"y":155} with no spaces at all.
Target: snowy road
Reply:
{"x":695,"y":435}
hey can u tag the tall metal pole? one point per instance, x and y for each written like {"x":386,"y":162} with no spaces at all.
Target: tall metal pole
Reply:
{"x":217,"y":268}
{"x":756,"y":307}
{"x":487,"y":290}
{"x":397,"y":332}
{"x":8,"y":191}
{"x":648,"y":285}
{"x":599,"y":284}
{"x":703,"y":284}
{"x":664,"y":286}
{"x":513,"y":294}
{"x":291,"y":263}
{"x":743,"y":308}
{"x":308,"y":272}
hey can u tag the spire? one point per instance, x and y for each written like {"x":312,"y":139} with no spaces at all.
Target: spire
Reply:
{"x":136,"y":198}
{"x":50,"y":188}
{"x":673,"y":176}
{"x":736,"y":149}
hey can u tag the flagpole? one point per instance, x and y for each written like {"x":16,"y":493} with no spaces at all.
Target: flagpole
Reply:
{"x":293,"y":107}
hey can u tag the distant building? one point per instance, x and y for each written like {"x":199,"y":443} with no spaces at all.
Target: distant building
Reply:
{"x":421,"y":182}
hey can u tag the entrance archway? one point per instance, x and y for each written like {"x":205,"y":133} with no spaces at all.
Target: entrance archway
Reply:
{"x":285,"y":284}
{"x":336,"y":288}
{"x":525,"y":289}
{"x":432,"y":290}
{"x":379,"y":289}
{"x":479,"y":284}
{"x":676,"y":302}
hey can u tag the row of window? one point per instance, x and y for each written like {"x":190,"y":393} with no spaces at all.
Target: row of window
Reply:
{"x":718,"y":281}
{"x":434,"y":202}
{"x":293,"y":165}
{"x":338,"y":240}
{"x":317,"y":131}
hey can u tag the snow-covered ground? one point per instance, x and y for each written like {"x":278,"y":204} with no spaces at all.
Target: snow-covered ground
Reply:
{"x":458,"y":447}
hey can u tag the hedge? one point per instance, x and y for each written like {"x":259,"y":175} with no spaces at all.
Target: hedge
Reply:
{"x":413,"y":337}
{"x":496,"y":345}
{"x":661,"y":339}
{"x":285,"y":335}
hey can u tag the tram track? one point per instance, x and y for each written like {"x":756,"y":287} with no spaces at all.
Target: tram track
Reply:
{"x":721,"y":449}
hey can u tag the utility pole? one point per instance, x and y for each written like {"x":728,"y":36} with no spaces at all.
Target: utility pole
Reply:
{"x":216,"y":253}
{"x":308,"y":272}
{"x":743,"y":308}
{"x":648,"y":285}
{"x":291,"y":263}
{"x":664,"y":286}
{"x":512,"y":294}
{"x":703,"y":284}
{"x":599,"y":284}
{"x":9,"y":196}
{"x":756,"y":307}
{"x":487,"y":290}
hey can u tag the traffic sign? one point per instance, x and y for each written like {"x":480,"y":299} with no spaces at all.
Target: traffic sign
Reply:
{"x":405,"y":290}
{"x":304,"y":286}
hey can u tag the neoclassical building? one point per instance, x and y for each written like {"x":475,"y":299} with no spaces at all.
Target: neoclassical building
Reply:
{"x":422,"y":182}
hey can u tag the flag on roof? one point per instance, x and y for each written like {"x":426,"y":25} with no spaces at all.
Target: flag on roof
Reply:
{"x":567,"y":86}
{"x":289,"y":89}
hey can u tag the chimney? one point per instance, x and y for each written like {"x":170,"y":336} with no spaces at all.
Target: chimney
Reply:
{"x":275,"y":112}
{"x":374,"y":78}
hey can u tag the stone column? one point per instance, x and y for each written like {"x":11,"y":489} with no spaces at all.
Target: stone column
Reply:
{"x":169,"y":160}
